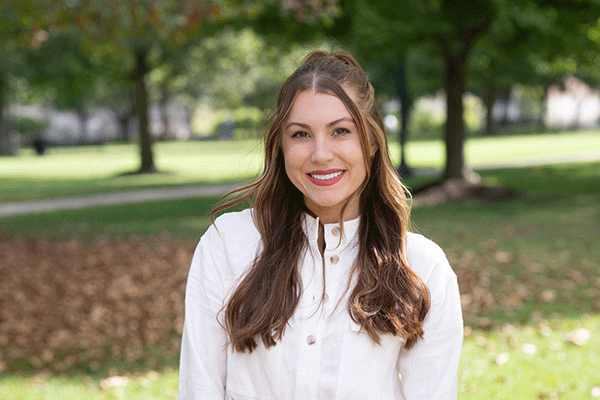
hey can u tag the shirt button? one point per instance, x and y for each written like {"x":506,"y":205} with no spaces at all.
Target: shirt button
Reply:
{"x":334,"y":259}
{"x":310,"y":339}
{"x":336,"y":231}
{"x":326,"y":297}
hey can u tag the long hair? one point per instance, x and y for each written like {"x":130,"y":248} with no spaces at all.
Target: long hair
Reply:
{"x":388,"y":297}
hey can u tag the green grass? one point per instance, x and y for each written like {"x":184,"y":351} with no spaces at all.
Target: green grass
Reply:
{"x":537,"y":257}
{"x":534,"y":260}
{"x":148,"y":385}
{"x":76,"y":171}
{"x":65,"y":172}
{"x":531,"y":362}
{"x":185,"y":218}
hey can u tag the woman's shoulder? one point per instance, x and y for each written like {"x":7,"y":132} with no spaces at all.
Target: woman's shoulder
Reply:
{"x":232,"y":227}
{"x":229,"y":229}
{"x":234,"y":221}
{"x":232,"y":240}
{"x":427,"y":258}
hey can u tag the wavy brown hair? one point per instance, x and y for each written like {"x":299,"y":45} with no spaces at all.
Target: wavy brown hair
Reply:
{"x":387,"y":297}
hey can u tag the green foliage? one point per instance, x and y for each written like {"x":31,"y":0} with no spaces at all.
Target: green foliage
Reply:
{"x":56,"y":69}
{"x":248,"y":122}
{"x":531,"y":42}
{"x":426,"y":123}
{"x":20,"y":26}
{"x":237,"y":68}
{"x":28,"y":127}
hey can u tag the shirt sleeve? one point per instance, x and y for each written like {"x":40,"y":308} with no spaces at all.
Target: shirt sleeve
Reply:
{"x":429,"y":371}
{"x":203,"y":362}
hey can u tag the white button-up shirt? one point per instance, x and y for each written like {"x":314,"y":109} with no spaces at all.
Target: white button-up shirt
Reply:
{"x":323,"y":354}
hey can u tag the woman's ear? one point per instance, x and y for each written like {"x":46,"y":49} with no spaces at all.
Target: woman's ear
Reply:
{"x":374,"y":147}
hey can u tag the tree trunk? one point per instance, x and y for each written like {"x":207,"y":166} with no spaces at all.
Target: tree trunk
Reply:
{"x":505,"y":99}
{"x":141,"y":110}
{"x":489,"y":99}
{"x":454,"y":83}
{"x":83,"y":133}
{"x":122,"y":121}
{"x":541,"y":118}
{"x":164,"y":118}
{"x":5,"y":142}
{"x":403,"y":96}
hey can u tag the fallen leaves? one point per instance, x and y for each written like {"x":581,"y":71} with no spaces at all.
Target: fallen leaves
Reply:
{"x":67,"y":304}
{"x":74,"y":304}
{"x":493,"y":280}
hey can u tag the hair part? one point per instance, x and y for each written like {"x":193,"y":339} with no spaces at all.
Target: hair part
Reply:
{"x":388,"y":297}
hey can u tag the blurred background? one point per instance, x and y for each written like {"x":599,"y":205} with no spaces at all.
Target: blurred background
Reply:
{"x":121,"y":124}
{"x":91,"y":72}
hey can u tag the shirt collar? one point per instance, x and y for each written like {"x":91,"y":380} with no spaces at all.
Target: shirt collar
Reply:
{"x":332,"y":231}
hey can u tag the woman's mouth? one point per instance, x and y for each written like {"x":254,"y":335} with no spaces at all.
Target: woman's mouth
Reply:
{"x":325,"y":178}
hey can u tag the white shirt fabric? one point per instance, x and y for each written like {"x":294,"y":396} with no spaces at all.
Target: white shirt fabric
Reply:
{"x":323,"y":354}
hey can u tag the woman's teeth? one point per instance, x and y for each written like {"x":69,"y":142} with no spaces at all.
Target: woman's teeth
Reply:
{"x":325,"y":177}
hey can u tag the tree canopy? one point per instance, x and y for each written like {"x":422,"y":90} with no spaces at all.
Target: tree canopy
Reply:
{"x":501,"y":33}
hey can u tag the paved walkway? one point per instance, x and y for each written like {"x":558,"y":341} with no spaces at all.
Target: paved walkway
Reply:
{"x":71,"y":203}
{"x":76,"y":203}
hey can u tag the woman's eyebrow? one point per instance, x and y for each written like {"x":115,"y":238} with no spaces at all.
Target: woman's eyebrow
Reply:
{"x":337,"y":121}
{"x":301,"y":125}
{"x":332,"y":123}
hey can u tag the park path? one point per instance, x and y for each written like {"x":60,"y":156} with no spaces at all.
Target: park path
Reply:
{"x":107,"y":199}
{"x":140,"y":196}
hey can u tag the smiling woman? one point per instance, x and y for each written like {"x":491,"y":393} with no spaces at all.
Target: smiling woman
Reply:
{"x":318,"y":290}
{"x":323,"y":155}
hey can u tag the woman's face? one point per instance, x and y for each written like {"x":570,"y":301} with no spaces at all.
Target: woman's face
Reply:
{"x":323,"y":155}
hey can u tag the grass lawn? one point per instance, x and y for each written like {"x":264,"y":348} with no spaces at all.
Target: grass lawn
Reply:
{"x":529,"y":273}
{"x":65,"y":172}
{"x":77,"y":171}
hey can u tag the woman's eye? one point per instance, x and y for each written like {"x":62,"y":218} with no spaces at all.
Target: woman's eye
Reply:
{"x":300,"y":134}
{"x":341,"y":131}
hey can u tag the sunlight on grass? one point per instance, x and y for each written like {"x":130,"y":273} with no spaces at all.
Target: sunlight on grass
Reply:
{"x":542,"y":360}
{"x":151,"y":385}
{"x":480,"y":152}
{"x":75,"y":171}
{"x":210,"y":161}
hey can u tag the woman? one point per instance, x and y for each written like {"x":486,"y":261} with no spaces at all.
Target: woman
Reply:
{"x":318,"y":291}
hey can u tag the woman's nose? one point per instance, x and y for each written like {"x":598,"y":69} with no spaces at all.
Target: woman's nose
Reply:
{"x":321,"y":151}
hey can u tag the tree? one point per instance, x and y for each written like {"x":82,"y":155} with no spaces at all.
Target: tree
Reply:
{"x":534,"y":46}
{"x":455,"y":27}
{"x":19,"y":31}
{"x":68,"y":84}
{"x":128,"y":40}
